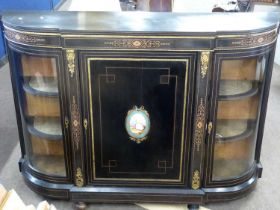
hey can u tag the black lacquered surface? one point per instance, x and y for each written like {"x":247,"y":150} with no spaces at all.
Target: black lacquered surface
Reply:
{"x":141,"y":21}
{"x":160,"y":87}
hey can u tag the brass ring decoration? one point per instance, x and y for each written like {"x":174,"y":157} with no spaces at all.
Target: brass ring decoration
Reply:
{"x":137,"y":124}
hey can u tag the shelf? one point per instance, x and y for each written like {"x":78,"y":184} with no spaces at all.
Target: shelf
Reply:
{"x":41,"y":86}
{"x":239,"y":69}
{"x":232,"y":158}
{"x":237,"y":90}
{"x":233,"y":130}
{"x":243,"y":109}
{"x":224,"y":169}
{"x":38,"y":66}
{"x":240,"y":149}
{"x":52,"y":165}
{"x":42,"y":105}
{"x":42,"y":146}
{"x":46,"y":127}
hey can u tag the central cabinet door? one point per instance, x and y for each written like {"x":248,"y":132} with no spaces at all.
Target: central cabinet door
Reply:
{"x":137,"y":109}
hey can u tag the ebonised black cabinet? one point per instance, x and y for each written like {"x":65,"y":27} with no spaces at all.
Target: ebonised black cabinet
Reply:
{"x":125,"y":107}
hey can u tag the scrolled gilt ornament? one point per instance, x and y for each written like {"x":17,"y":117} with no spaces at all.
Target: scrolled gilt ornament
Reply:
{"x":204,"y":60}
{"x":199,"y":125}
{"x":79,"y":178}
{"x":75,"y":122}
{"x":70,"y":55}
{"x":196,"y":180}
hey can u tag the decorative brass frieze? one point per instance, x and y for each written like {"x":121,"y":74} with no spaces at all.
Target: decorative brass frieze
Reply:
{"x":75,"y":122}
{"x":256,"y":40}
{"x":196,"y":180}
{"x":79,"y":178}
{"x":204,"y":63}
{"x":23,"y":38}
{"x":137,"y":43}
{"x":70,"y":55}
{"x":199,"y":125}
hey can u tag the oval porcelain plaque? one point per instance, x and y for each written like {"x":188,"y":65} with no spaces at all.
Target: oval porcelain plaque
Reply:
{"x":137,"y":124}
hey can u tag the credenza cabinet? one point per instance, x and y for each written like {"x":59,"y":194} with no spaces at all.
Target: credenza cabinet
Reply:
{"x":141,"y":107}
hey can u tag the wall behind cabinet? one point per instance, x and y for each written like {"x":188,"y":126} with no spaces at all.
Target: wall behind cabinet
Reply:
{"x":32,"y":5}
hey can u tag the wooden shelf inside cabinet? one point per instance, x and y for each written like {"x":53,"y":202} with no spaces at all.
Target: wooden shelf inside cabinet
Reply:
{"x":233,"y":149}
{"x":44,"y":146}
{"x":239,"y":69}
{"x":237,"y":90}
{"x":38,"y":66}
{"x":49,"y":164}
{"x":42,"y":86}
{"x":233,"y":152}
{"x":237,"y":169}
{"x":246,"y":108}
{"x":234,"y":146}
{"x":234,"y":130}
{"x":46,"y":127}
{"x":46,"y":136}
{"x":39,"y":105}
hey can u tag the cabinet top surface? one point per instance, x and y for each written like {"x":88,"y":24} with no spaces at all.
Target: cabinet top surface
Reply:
{"x":133,"y":22}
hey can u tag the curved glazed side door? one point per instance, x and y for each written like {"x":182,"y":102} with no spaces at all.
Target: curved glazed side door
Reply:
{"x":236,"y":109}
{"x":38,"y":85}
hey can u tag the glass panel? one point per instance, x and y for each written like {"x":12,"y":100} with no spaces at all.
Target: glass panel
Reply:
{"x":41,"y":112}
{"x":237,"y":116}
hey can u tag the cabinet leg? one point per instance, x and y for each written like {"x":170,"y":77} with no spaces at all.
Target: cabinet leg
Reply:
{"x":81,"y":205}
{"x":193,"y":206}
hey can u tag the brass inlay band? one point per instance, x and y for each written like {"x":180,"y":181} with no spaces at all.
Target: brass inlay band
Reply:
{"x":199,"y":125}
{"x":204,"y":63}
{"x":79,"y":178}
{"x":142,"y":42}
{"x":196,"y":180}
{"x":75,"y":118}
{"x":70,"y":55}
{"x":137,"y":43}
{"x":23,"y":38}
{"x":256,"y":40}
{"x":32,"y":38}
